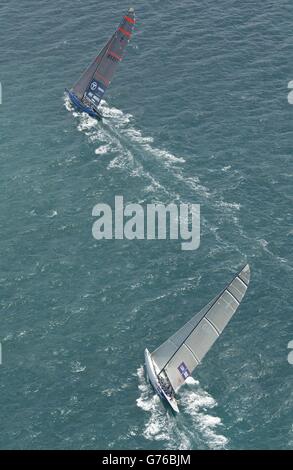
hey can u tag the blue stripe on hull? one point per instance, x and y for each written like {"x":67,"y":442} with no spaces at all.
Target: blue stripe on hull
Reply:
{"x":81,"y":107}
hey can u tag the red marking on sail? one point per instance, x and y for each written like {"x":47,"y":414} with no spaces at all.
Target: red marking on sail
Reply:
{"x":125,"y":32}
{"x":115,"y":55}
{"x":105,"y":80}
{"x":130,"y":20}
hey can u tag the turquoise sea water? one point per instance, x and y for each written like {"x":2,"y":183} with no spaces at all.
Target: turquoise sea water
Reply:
{"x":197,"y":113}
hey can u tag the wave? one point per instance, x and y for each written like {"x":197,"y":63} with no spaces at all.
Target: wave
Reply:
{"x":111,"y":138}
{"x":194,"y":424}
{"x":115,"y":119}
{"x":127,"y":147}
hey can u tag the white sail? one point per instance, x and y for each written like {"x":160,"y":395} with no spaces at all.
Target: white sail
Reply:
{"x":181,"y":353}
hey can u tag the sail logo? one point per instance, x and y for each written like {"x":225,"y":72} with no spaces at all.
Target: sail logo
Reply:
{"x":153,"y":222}
{"x":290,"y":94}
{"x":290,"y":355}
{"x":94,"y":86}
{"x":184,"y":370}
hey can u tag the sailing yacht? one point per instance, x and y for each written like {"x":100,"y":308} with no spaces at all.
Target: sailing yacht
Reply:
{"x":88,"y":91}
{"x":173,"y":362}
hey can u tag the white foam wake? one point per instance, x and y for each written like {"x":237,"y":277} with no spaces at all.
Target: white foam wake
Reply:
{"x":123,"y":122}
{"x":196,"y":403}
{"x":160,"y":426}
{"x":195,"y":427}
{"x":120,"y":139}
{"x":115,"y":120}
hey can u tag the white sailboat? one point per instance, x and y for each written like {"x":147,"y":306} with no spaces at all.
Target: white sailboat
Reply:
{"x":173,"y":362}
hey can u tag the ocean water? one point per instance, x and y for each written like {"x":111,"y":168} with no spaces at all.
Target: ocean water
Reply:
{"x":197,"y":113}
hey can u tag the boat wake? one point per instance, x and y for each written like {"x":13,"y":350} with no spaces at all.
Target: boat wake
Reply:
{"x":124,"y":145}
{"x":117,"y":125}
{"x":195,"y":426}
{"x":118,"y":139}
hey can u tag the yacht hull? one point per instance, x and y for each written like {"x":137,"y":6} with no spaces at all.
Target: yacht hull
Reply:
{"x":153,"y":378}
{"x":79,"y":106}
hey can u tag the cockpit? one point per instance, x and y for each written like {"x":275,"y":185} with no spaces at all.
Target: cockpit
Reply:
{"x":166,"y":386}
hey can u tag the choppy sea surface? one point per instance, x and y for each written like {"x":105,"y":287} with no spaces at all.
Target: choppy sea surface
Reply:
{"x":197,"y":113}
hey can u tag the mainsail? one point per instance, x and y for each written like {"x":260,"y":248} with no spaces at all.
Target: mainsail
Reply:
{"x":92,"y":85}
{"x":181,"y":353}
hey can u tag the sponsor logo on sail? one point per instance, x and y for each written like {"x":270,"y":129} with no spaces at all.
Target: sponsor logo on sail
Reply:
{"x":94,"y":86}
{"x":184,"y":370}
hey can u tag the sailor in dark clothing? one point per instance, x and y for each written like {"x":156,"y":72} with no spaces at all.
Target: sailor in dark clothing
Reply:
{"x":166,"y":386}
